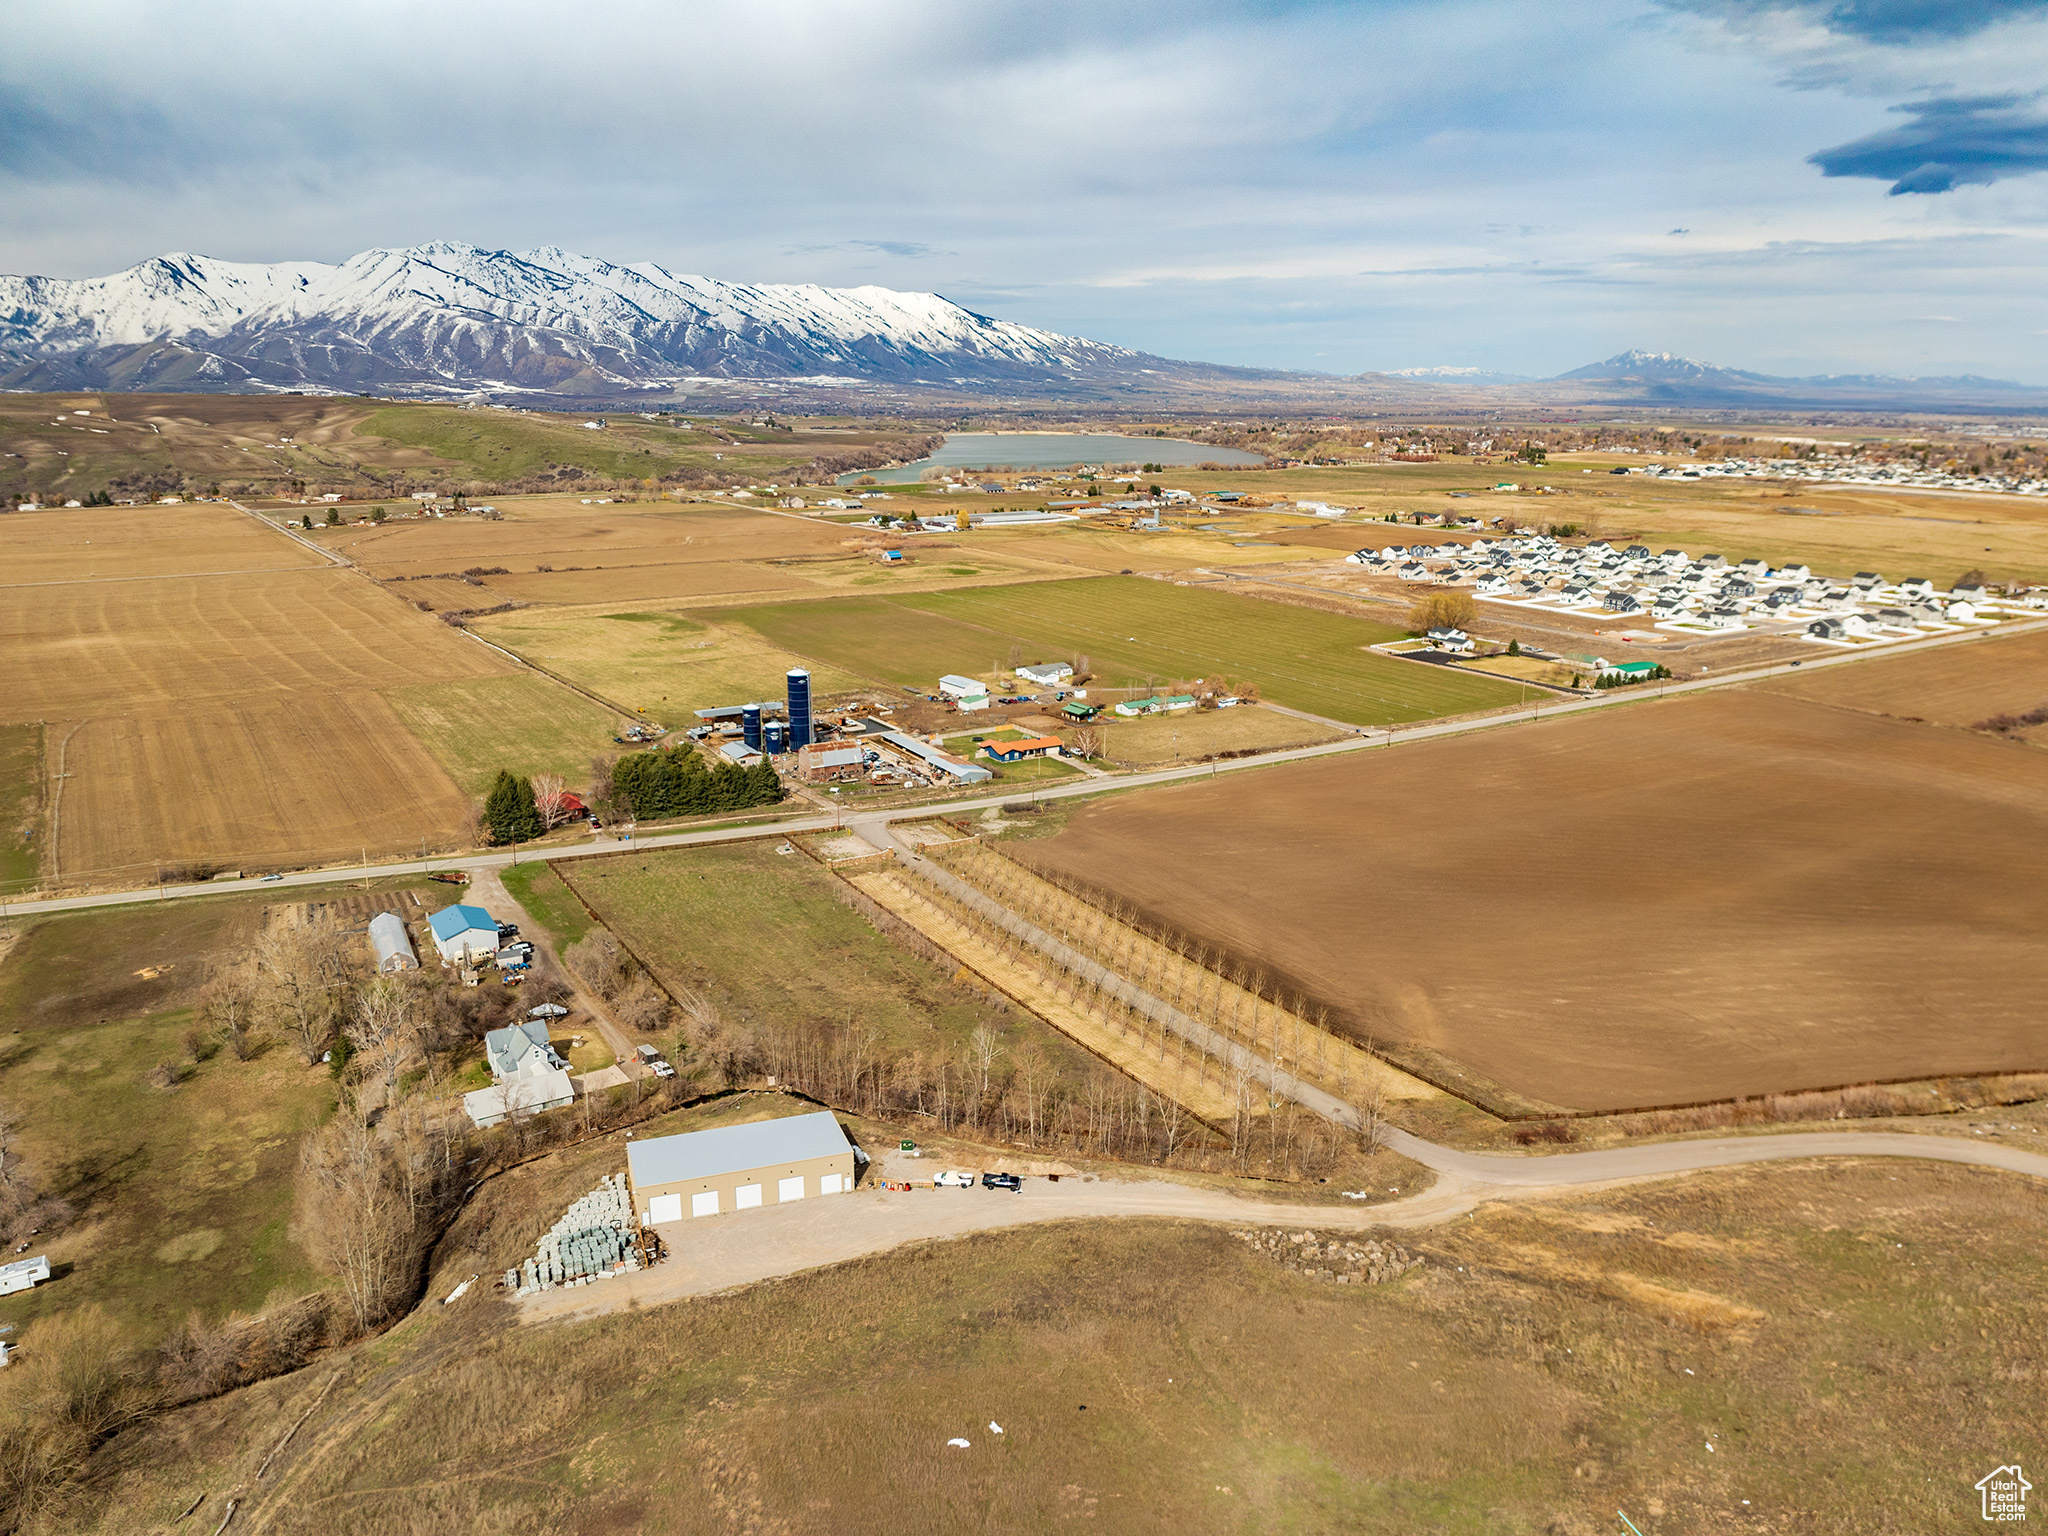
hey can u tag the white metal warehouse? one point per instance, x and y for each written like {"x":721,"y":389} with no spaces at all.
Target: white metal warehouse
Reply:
{"x":739,"y":1167}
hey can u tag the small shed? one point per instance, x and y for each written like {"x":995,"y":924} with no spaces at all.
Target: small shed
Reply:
{"x":392,"y":944}
{"x":733,"y":1167}
{"x":463,"y":932}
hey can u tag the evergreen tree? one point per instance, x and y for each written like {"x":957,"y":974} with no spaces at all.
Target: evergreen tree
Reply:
{"x":509,"y":811}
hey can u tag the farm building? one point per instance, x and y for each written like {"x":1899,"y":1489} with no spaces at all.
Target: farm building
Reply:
{"x":820,"y":763}
{"x":734,"y":1167}
{"x":1633,"y":671}
{"x":464,"y":933}
{"x":1132,"y":708}
{"x":1080,"y":711}
{"x":953,"y":686}
{"x":928,"y":756}
{"x":1018,"y":751}
{"x":1046,"y":672}
{"x":392,"y":945}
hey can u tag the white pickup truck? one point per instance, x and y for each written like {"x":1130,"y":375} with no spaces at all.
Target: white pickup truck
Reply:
{"x":651,"y":1059}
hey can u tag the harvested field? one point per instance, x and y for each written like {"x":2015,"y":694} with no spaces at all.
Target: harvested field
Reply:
{"x":315,"y":779}
{"x":1136,"y":634}
{"x":666,"y":663}
{"x":236,"y":717}
{"x":79,"y":544}
{"x":525,"y":723}
{"x":1152,"y":740}
{"x":1678,"y":901}
{"x":1956,"y":685}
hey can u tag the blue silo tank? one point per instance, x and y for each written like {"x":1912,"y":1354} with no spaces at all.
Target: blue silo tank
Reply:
{"x":778,"y":738}
{"x":799,"y":708}
{"x":750,"y":725}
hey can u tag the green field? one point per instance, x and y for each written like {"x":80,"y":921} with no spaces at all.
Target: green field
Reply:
{"x":526,"y":723}
{"x":1137,"y":634}
{"x":21,"y":804}
{"x":497,"y":445}
{"x":548,"y":900}
{"x":761,"y":934}
{"x":182,"y":1196}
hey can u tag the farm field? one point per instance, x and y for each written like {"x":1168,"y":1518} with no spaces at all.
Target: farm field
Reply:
{"x":234,"y":717}
{"x":763,"y":936}
{"x":663,"y":662}
{"x":2005,"y":674}
{"x":1137,"y":634}
{"x":1153,"y":740}
{"x":524,"y":723}
{"x":1550,"y":1364}
{"x":182,"y":1196}
{"x":1674,"y":902}
{"x":21,"y":805}
{"x":77,"y":544}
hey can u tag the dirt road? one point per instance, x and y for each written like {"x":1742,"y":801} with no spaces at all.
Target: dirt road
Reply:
{"x":717,"y":1253}
{"x":488,"y":891}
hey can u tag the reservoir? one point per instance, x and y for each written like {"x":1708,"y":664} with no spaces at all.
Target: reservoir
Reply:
{"x":1054,"y":450}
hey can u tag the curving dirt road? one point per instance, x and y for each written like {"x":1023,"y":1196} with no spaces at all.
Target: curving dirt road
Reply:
{"x":718,"y":1253}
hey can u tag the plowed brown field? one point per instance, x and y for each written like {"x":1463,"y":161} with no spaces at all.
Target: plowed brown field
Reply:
{"x":224,"y":718}
{"x":1682,"y":901}
{"x":1956,"y":685}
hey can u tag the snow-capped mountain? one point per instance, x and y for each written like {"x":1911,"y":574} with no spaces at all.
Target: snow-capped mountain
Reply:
{"x":1666,"y":367}
{"x":447,"y":317}
{"x":1456,"y":375}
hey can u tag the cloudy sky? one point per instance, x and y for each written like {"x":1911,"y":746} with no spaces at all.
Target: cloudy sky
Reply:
{"x":1795,"y":186}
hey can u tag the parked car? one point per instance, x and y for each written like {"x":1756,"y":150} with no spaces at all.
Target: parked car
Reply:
{"x":1008,"y":1181}
{"x":651,"y":1059}
{"x":953,"y":1178}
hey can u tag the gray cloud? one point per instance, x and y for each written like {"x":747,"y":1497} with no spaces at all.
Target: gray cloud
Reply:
{"x":909,"y":250}
{"x":1959,"y":141}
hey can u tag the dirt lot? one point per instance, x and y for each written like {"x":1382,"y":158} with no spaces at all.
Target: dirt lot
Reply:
{"x":232,"y":717}
{"x":1678,"y":901}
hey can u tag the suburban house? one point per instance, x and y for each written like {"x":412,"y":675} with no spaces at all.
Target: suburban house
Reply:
{"x":1131,"y":708}
{"x":530,"y":1076}
{"x":1621,"y":602}
{"x":1019,"y":751}
{"x":1828,"y":629}
{"x":464,"y":934}
{"x":393,"y":946}
{"x":733,"y":1167}
{"x":1046,"y":673}
{"x":1446,"y":637}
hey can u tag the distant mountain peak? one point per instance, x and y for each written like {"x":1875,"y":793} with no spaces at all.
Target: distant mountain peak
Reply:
{"x":1637,"y":363}
{"x":447,"y":316}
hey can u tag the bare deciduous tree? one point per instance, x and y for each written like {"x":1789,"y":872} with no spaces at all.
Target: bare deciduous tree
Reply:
{"x":548,"y":794}
{"x":299,"y":974}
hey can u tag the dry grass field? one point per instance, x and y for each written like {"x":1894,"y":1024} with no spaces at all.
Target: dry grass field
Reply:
{"x":228,"y":717}
{"x":2005,"y":674}
{"x":667,"y":663}
{"x":1161,"y":740}
{"x":1747,"y":1352}
{"x":1674,"y":902}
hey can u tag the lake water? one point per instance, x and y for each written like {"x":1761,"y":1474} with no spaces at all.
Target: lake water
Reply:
{"x":1055,"y":450}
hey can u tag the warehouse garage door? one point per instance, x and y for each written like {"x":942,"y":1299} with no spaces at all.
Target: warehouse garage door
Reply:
{"x":828,"y":1183}
{"x":665,"y":1208}
{"x":749,"y":1196}
{"x":790,"y":1189}
{"x":705,"y":1204}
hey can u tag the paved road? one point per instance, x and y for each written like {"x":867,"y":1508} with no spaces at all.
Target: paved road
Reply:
{"x":1364,"y":740}
{"x":718,"y":1253}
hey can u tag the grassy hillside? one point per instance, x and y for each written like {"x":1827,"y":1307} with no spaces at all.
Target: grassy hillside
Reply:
{"x":1761,"y":1350}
